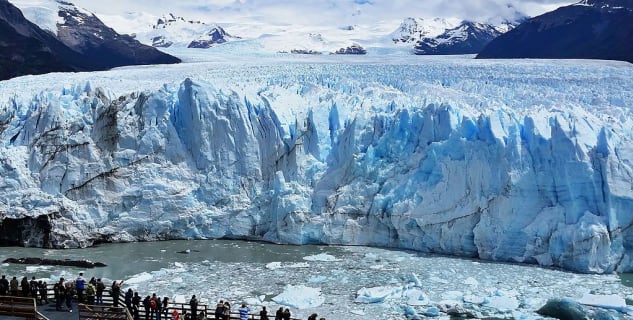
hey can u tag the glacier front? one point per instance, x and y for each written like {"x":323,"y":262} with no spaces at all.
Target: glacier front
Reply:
{"x":521,"y":161}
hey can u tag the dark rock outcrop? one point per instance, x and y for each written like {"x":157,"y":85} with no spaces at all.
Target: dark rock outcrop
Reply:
{"x":27,"y":49}
{"x":353,"y":49}
{"x":215,"y":36}
{"x":467,"y":38}
{"x":591,"y":29}
{"x":55,"y":262}
{"x":104,"y":47}
{"x":83,"y":43}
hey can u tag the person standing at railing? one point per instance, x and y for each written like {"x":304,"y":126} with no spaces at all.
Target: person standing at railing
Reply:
{"x":100,"y":288}
{"x":193,"y":304}
{"x":43,"y":290}
{"x":244,"y":310}
{"x":146,"y":306}
{"x":227,"y":311}
{"x":80,"y":286}
{"x":33,"y":288}
{"x":26,"y":288}
{"x":4,"y":286}
{"x":263,"y":315}
{"x":116,"y":292}
{"x":14,"y":287}
{"x":166,"y":306}
{"x":313,"y":316}
{"x":279,"y":315}
{"x":58,"y":291}
{"x":91,"y":291}
{"x":159,"y":308}
{"x":287,"y":314}
{"x":129,"y":294}
{"x":69,"y":295}
{"x":219,"y":310}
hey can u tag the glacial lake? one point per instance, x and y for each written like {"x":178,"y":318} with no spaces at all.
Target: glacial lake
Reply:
{"x":322,"y":279}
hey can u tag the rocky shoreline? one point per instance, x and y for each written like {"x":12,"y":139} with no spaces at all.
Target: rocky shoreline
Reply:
{"x":56,"y":262}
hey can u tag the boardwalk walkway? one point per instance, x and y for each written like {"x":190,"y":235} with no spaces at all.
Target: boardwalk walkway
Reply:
{"x":49,"y":312}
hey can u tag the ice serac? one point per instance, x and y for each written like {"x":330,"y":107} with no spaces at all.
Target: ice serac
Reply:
{"x":455,"y":166}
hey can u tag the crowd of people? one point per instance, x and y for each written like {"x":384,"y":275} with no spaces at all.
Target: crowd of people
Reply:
{"x":91,"y":293}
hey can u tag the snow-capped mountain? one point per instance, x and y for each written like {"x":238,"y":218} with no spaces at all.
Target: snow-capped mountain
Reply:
{"x":84,"y":33}
{"x":590,"y":29}
{"x":27,"y":49}
{"x":171,"y":30}
{"x":412,"y":30}
{"x":466,"y":38}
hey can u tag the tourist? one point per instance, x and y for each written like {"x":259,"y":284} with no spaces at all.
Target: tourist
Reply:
{"x":175,"y":314}
{"x":159,"y":308}
{"x":43,"y":291}
{"x":69,"y":290}
{"x":166,"y":306}
{"x":279,"y":315}
{"x":313,"y":316}
{"x":93,"y":281}
{"x":4,"y":285}
{"x":60,"y":294}
{"x":152,"y":305}
{"x":116,"y":292}
{"x":286,"y":314}
{"x":263,"y":315}
{"x":244,"y":310}
{"x":146,"y":306}
{"x":14,"y":286}
{"x":100,"y":288}
{"x":80,"y":286}
{"x":227,"y":311}
{"x":33,"y":286}
{"x":129,"y":294}
{"x":136,"y":300}
{"x":26,"y":288}
{"x":91,"y":291}
{"x":193,"y":304}
{"x":219,"y":310}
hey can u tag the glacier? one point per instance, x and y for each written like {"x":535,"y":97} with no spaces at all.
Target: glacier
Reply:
{"x":521,"y":161}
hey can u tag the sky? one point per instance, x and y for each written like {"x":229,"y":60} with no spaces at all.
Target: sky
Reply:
{"x":326,"y":12}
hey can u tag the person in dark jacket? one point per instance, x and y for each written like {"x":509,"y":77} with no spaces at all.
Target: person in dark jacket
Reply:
{"x":219,"y":310}
{"x":313,"y":316}
{"x":4,"y":286}
{"x":166,"y":306}
{"x":116,"y":292}
{"x":69,"y":290}
{"x":100,"y":288}
{"x":279,"y":315}
{"x":14,"y":287}
{"x":146,"y":306}
{"x":193,"y":303}
{"x":263,"y":315}
{"x":129,"y":294}
{"x":26,"y":288}
{"x":43,"y":290}
{"x":159,"y":308}
{"x":33,"y":287}
{"x":286,"y":314}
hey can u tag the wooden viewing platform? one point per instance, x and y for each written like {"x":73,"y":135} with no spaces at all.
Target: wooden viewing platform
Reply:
{"x":26,"y":308}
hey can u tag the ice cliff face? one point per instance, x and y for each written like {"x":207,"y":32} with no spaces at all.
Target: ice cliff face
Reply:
{"x":436,"y":160}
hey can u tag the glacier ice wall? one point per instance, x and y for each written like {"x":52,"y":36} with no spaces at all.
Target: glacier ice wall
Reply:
{"x":525,"y":163}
